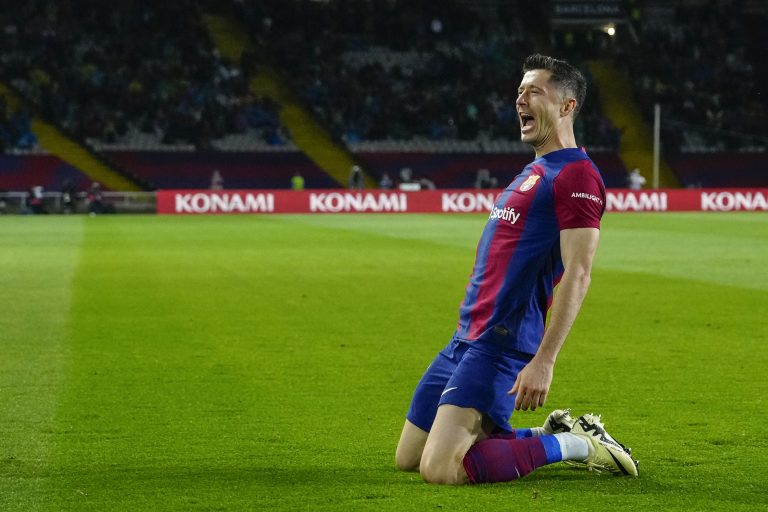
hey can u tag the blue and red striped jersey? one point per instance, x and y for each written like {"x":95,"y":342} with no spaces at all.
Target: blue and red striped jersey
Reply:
{"x":518,"y":260}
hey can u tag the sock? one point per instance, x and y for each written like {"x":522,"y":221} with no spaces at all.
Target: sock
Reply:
{"x":501,"y":460}
{"x":519,"y":433}
{"x":572,"y":447}
{"x":530,"y":432}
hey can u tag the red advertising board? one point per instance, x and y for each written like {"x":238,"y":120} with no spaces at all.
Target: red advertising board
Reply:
{"x":438,"y":201}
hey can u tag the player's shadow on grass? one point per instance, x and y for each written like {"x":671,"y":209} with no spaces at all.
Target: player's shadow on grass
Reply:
{"x":378,"y":474}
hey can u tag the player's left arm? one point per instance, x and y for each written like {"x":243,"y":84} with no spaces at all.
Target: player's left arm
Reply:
{"x":577,"y":247}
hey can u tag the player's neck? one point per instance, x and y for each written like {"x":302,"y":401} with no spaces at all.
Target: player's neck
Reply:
{"x":562,"y":139}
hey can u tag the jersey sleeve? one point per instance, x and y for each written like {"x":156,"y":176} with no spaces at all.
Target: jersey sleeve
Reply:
{"x":579,"y":196}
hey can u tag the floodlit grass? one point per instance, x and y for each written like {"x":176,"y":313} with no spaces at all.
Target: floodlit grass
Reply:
{"x":266,"y":362}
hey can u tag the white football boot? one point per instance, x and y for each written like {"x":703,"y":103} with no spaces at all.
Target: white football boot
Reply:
{"x":559,"y":421}
{"x":605,"y":453}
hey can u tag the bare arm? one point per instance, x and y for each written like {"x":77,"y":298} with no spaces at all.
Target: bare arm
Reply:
{"x":577,"y":247}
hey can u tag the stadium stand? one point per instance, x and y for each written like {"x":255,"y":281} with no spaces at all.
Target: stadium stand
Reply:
{"x":722,"y":169}
{"x":251,"y":169}
{"x":22,"y":171}
{"x":130,"y":74}
{"x":413,"y":84}
{"x":459,"y":169}
{"x":428,"y":86}
{"x":703,"y":62}
{"x":408,"y":71}
{"x":15,"y":129}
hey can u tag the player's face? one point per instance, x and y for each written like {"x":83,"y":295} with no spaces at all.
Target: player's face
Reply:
{"x":538,"y":107}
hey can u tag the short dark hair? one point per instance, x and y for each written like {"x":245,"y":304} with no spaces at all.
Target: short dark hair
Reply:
{"x":565,"y":77}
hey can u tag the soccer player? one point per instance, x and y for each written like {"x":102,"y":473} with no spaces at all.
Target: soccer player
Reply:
{"x":543,"y":229}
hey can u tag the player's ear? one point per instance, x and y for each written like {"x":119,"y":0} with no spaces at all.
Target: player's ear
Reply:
{"x":568,"y":106}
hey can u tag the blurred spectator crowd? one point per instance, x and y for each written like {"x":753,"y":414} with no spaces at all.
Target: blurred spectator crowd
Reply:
{"x":700,"y":65}
{"x":104,"y":70}
{"x":15,"y":128}
{"x":370,"y":70}
{"x":701,"y":61}
{"x":405,"y":69}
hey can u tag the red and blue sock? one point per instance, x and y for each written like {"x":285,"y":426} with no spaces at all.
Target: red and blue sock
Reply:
{"x":506,"y":457}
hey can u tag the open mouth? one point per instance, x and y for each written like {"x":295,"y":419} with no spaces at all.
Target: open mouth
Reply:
{"x":527,"y":121}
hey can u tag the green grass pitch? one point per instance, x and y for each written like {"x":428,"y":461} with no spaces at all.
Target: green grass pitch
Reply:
{"x":266,"y":362}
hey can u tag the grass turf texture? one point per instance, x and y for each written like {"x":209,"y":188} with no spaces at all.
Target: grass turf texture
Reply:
{"x":266,"y":362}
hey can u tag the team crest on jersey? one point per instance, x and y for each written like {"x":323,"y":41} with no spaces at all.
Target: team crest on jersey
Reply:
{"x":529,"y":183}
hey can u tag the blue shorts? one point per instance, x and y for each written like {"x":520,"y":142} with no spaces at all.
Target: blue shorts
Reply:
{"x":474,"y":374}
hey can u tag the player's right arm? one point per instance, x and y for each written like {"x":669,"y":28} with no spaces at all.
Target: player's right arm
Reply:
{"x":577,"y":247}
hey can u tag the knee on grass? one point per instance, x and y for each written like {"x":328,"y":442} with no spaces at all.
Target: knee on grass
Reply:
{"x":407,"y":461}
{"x":442,"y":471}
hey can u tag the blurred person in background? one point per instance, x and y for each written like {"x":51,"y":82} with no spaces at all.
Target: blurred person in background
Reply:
{"x":37,"y":200}
{"x":95,"y":199}
{"x":217,"y":180}
{"x":356,"y":178}
{"x":68,"y":197}
{"x":297,"y":182}
{"x":484,"y":180}
{"x":635,"y":180}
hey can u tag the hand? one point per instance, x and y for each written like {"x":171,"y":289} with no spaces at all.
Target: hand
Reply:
{"x":532,"y":385}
